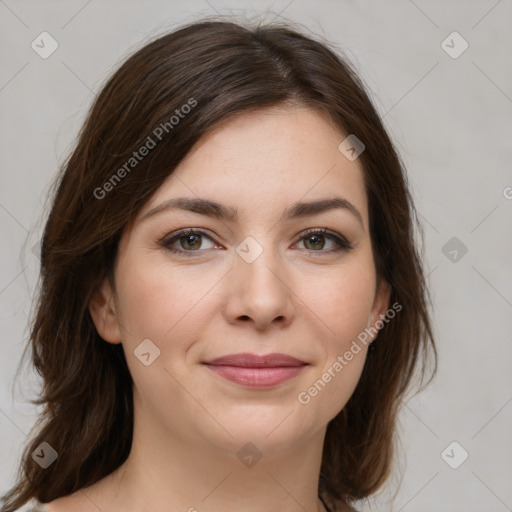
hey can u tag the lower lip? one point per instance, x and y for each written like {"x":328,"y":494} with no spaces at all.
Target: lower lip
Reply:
{"x":256,"y":377}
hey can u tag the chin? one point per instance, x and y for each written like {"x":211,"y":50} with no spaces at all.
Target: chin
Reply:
{"x":276,"y":431}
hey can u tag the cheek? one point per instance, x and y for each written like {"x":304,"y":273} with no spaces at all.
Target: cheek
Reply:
{"x":165,"y":306}
{"x":345,"y":309}
{"x":344,"y":303}
{"x":163,"y":303}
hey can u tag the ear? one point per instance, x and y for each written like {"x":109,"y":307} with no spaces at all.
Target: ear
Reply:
{"x":380,"y":304}
{"x":103,"y":313}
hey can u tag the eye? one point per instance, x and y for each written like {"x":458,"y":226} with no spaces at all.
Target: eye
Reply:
{"x":189,"y":240}
{"x":315,"y":241}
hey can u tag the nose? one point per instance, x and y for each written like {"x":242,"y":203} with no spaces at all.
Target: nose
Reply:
{"x":260,"y":292}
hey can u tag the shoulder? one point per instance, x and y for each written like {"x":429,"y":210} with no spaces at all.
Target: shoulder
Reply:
{"x":86,"y":499}
{"x":72,"y":503}
{"x":35,"y":506}
{"x":345,"y":507}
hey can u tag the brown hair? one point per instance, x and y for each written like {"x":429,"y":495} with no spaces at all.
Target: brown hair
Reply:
{"x":220,"y":69}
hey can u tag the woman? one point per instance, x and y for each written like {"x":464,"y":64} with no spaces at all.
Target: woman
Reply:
{"x":232,"y":304}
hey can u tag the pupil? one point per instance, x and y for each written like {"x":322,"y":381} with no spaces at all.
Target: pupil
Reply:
{"x":190,"y":239}
{"x":315,"y":239}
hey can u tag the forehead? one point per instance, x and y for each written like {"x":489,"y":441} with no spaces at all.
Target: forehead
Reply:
{"x":268,"y":158}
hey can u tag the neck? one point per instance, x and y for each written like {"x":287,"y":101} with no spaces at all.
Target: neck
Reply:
{"x":195,"y":475}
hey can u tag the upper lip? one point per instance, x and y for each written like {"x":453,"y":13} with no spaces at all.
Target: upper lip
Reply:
{"x":254,"y":361}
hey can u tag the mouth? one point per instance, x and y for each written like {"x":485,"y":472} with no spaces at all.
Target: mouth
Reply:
{"x":255,"y":371}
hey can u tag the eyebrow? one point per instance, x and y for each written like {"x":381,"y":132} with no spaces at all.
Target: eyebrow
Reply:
{"x":223,"y":212}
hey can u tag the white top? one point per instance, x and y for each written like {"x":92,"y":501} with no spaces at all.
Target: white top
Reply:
{"x":35,"y":506}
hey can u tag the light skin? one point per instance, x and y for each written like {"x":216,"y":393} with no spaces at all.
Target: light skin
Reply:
{"x":299,"y":297}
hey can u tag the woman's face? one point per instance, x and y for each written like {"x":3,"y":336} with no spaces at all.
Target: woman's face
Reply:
{"x":255,"y":283}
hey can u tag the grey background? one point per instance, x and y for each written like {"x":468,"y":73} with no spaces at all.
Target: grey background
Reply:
{"x":452,"y":121}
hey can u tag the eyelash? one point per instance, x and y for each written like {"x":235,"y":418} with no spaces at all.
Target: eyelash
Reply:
{"x":342,"y":244}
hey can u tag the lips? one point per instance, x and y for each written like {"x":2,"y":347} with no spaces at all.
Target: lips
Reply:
{"x":246,"y":360}
{"x":255,"y":371}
